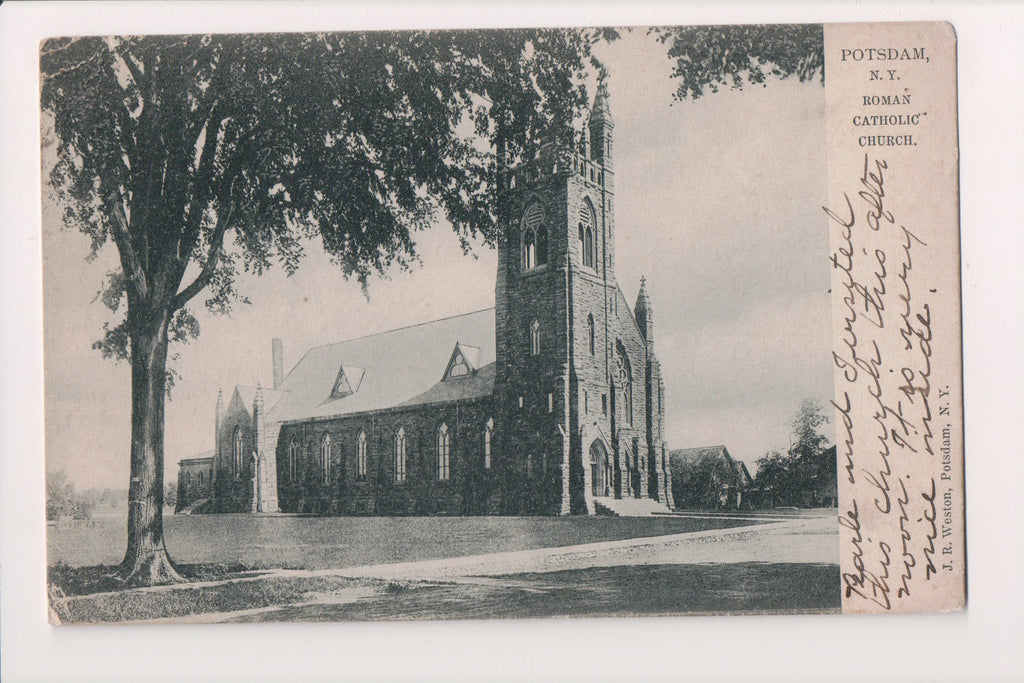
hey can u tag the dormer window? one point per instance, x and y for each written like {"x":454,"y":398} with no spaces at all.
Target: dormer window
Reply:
{"x":462,"y":362}
{"x":534,"y":238}
{"x":347,"y":381}
{"x":459,"y":367}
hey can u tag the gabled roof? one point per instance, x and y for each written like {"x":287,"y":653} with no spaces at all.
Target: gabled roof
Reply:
{"x":399,"y":366}
{"x":694,"y":455}
{"x":691,"y":456}
{"x":247,"y":395}
{"x":468,"y":355}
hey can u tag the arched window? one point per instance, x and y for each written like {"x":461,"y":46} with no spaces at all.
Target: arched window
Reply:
{"x":587,"y":234}
{"x":625,"y":380}
{"x":488,"y":435}
{"x":188,"y":479}
{"x":542,"y":245}
{"x":535,"y":238}
{"x":325,"y":458}
{"x":238,"y":450}
{"x":591,"y":334}
{"x":400,"y":454}
{"x":199,"y":478}
{"x":529,"y":249}
{"x":443,"y":452}
{"x":361,"y":456}
{"x":293,"y":459}
{"x":534,"y":338}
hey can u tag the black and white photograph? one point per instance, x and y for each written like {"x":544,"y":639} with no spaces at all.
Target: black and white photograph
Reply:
{"x":438,"y":325}
{"x":514,"y":341}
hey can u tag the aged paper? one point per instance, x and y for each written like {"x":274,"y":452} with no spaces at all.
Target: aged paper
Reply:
{"x":971,"y":645}
{"x":893,"y":203}
{"x":704,"y":359}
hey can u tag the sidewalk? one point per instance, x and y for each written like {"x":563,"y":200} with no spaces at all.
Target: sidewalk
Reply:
{"x":803,"y":540}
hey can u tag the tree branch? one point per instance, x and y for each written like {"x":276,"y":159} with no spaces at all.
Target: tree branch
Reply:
{"x":216,"y":243}
{"x":129,"y":259}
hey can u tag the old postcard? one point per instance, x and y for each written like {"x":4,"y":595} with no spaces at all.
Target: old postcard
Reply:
{"x":502,"y":323}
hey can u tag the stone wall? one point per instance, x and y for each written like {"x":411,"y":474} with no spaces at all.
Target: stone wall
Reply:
{"x":471,"y":488}
{"x":233,"y":486}
{"x":194,"y":481}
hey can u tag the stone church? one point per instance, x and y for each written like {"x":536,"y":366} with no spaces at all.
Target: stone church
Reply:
{"x":550,"y":403}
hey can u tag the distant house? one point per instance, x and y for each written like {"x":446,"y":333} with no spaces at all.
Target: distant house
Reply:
{"x":709,"y":478}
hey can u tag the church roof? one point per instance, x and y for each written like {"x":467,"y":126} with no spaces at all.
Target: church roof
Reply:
{"x":204,"y":458}
{"x":476,"y":385}
{"x":248,"y":395}
{"x":400,"y":367}
{"x":679,"y":459}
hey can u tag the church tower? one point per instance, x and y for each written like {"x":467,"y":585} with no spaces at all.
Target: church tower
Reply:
{"x":557,"y":305}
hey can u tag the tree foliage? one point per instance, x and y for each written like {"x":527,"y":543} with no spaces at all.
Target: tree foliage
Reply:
{"x":168,"y":144}
{"x":711,"y":57}
{"x":699,"y":484}
{"x":805,"y":475}
{"x":62,"y":500}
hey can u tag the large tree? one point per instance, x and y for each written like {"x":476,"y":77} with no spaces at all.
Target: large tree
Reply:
{"x":198,"y":156}
{"x":806,"y":473}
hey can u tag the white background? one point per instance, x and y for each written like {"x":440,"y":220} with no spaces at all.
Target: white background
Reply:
{"x":982,"y":643}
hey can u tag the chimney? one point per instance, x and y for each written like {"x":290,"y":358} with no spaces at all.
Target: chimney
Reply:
{"x":278,"y":353}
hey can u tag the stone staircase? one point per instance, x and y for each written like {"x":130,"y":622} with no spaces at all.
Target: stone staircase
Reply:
{"x":629,"y":507}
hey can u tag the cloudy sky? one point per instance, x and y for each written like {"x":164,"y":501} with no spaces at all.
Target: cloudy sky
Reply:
{"x":718,"y":206}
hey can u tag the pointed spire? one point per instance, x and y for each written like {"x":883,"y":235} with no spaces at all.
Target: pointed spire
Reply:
{"x":601,"y":112}
{"x":601,"y":126}
{"x":643,"y":312}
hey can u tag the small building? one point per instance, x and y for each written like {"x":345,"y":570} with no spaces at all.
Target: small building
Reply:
{"x":194,"y":480}
{"x":709,"y":478}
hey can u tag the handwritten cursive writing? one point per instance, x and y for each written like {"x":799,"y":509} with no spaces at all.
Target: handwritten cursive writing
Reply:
{"x":882,"y":362}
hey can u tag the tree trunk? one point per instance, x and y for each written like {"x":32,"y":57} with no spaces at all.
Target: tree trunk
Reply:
{"x":146,"y":561}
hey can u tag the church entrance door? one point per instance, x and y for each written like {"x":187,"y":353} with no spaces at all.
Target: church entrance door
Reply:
{"x":600,"y":470}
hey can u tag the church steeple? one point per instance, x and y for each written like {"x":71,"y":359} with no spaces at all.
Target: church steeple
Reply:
{"x":601,"y":126}
{"x":643,"y":312}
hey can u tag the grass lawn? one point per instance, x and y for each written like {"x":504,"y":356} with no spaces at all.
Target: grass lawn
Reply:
{"x":641,"y":590}
{"x":231,"y":557}
{"x":258,"y":542}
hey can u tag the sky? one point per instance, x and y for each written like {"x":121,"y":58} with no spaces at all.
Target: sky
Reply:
{"x":717,"y":205}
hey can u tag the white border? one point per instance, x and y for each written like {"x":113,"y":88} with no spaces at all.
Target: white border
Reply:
{"x":981,"y":644}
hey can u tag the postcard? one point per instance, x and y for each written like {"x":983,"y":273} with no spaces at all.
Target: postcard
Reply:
{"x":502,"y":323}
